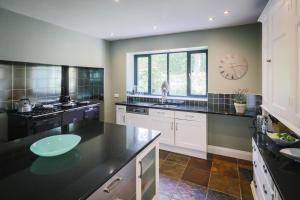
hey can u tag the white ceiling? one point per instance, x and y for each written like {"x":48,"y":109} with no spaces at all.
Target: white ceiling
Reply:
{"x":120,"y":19}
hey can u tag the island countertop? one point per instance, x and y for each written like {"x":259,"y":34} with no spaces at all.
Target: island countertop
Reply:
{"x":104,"y":149}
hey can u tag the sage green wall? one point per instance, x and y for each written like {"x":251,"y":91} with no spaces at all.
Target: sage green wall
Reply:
{"x":30,"y":40}
{"x":244,"y":40}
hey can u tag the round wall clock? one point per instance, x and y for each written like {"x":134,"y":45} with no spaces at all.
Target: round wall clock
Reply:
{"x":233,"y":67}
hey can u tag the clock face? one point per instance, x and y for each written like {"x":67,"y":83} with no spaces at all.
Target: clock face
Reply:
{"x":233,"y":67}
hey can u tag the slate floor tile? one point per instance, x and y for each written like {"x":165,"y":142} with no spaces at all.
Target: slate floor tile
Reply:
{"x":178,"y":158}
{"x":200,"y":164}
{"x":246,"y":190}
{"x":214,"y":195}
{"x":246,"y":174}
{"x":225,"y":168}
{"x":196,"y":176}
{"x":225,"y":184}
{"x":163,"y":154}
{"x":172,"y":169}
{"x":189,"y":191}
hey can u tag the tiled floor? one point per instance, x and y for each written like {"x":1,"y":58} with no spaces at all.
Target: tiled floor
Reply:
{"x":217,"y":178}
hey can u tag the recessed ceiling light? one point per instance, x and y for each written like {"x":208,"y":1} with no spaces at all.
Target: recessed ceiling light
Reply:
{"x":117,"y":1}
{"x":211,"y":19}
{"x":154,"y":27}
{"x":112,"y":34}
{"x":226,"y":12}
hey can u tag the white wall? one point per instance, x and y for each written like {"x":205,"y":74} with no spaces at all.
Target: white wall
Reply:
{"x":30,"y":40}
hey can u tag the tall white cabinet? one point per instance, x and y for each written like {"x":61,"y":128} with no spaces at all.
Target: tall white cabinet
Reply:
{"x":280,"y":61}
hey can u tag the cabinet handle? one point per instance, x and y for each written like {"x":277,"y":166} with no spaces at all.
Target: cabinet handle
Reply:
{"x":190,"y":116}
{"x":111,"y":185}
{"x":255,"y":185}
{"x":265,"y":169}
{"x":141,"y":167}
{"x":269,"y":60}
{"x":254,"y":163}
{"x":264,"y":188}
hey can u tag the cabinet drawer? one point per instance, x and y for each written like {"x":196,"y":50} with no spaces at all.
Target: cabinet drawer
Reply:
{"x":265,"y":174}
{"x":258,"y":187}
{"x":121,"y":109}
{"x":120,"y":186}
{"x":161,"y":113}
{"x":190,"y":116}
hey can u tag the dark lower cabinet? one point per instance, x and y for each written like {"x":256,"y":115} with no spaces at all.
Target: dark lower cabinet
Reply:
{"x":91,"y":113}
{"x":72,"y":116}
{"x":43,"y":124}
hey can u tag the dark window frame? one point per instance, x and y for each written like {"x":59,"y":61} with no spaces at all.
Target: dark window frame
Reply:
{"x":188,"y":89}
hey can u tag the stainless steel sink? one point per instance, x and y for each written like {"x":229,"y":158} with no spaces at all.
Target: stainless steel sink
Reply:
{"x":165,"y":105}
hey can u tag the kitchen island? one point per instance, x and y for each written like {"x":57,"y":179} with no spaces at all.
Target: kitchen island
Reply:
{"x":104,"y":151}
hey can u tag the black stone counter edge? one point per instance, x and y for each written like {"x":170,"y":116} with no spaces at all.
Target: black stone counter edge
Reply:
{"x":269,"y":169}
{"x":251,"y":114}
{"x":85,"y":196}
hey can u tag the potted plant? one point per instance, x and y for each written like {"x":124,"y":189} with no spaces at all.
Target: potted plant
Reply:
{"x":240,"y":100}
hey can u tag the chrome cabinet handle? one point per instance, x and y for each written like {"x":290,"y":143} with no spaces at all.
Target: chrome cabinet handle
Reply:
{"x":141,"y":167}
{"x":264,"y":188}
{"x":265,"y":169}
{"x":109,"y":188}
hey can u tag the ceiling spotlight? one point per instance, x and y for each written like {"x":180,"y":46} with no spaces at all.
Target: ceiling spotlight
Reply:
{"x":112,"y":34}
{"x":226,"y":12}
{"x":211,"y":19}
{"x":117,"y":1}
{"x":154,"y":27}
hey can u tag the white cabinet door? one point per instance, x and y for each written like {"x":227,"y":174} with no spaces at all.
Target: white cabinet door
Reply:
{"x":281,"y":56}
{"x":166,"y":126}
{"x":296,"y":71}
{"x":121,"y":115}
{"x":142,"y":121}
{"x":191,"y":134}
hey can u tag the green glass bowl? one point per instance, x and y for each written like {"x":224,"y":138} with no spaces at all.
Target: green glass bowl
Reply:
{"x":55,"y":145}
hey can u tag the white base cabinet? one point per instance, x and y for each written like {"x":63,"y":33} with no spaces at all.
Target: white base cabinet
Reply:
{"x":181,"y":132}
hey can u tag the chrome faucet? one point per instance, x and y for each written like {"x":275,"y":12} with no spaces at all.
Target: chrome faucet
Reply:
{"x":164,"y":91}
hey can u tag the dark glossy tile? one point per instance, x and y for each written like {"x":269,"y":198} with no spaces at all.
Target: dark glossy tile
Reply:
{"x":167,"y":184}
{"x":217,"y":158}
{"x":178,"y":158}
{"x":246,"y":190}
{"x":164,"y":196}
{"x":246,"y":174}
{"x":18,"y":94}
{"x":225,"y":168}
{"x":225,"y":184}
{"x":163,"y":154}
{"x":245,"y":164}
{"x":19,"y":83}
{"x":172,"y":169}
{"x":200,"y":164}
{"x":214,"y":195}
{"x":196,"y":176}
{"x":189,"y":191}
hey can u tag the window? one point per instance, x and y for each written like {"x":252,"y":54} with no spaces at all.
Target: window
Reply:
{"x":186,"y":73}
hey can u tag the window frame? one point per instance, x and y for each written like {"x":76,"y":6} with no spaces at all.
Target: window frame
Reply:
{"x":188,"y":89}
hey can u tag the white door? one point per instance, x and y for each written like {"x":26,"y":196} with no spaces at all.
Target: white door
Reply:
{"x":121,"y":118}
{"x":191,"y":134}
{"x":137,"y":120}
{"x":166,"y":126}
{"x":281,"y":58}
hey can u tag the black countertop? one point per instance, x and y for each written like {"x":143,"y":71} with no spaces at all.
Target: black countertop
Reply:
{"x":222,"y":110}
{"x":285,"y":172}
{"x":104,"y":149}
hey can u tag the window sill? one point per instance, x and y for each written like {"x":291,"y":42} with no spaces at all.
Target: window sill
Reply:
{"x":169,"y":97}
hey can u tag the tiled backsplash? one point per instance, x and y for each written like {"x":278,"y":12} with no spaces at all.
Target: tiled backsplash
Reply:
{"x":42,"y":83}
{"x":213,"y":100}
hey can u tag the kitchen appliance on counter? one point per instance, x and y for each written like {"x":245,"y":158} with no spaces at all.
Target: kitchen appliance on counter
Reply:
{"x":24,"y":105}
{"x":43,"y":118}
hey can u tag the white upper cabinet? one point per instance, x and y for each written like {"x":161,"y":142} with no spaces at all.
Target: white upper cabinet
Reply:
{"x":280,"y":61}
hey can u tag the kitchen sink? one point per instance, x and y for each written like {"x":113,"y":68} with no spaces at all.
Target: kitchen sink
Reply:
{"x":165,"y":105}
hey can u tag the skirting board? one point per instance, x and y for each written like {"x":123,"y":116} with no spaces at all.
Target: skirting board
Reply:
{"x":245,"y":155}
{"x":184,"y":151}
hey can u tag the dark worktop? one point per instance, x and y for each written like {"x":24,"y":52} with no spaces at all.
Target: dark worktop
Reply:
{"x":284,"y":171}
{"x":222,"y":110}
{"x":104,"y":149}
